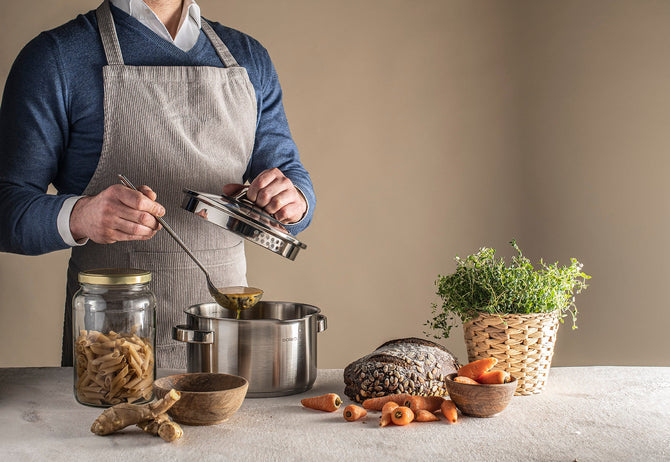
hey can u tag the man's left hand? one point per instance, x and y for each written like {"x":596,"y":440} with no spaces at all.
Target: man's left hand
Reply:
{"x":276,"y":194}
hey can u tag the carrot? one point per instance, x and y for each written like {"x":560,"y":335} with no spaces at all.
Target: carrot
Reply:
{"x":477,"y":368}
{"x":429,"y":403}
{"x":467,"y":380}
{"x":376,"y":404}
{"x":329,"y":402}
{"x":386,"y":413}
{"x":423,"y":415}
{"x":353,"y":412}
{"x":402,"y":415}
{"x":494,"y":377}
{"x":385,"y":420}
{"x":449,"y":410}
{"x":388,"y":407}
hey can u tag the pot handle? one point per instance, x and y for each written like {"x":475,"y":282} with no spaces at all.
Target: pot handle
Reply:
{"x":321,"y":322}
{"x":185,"y":334}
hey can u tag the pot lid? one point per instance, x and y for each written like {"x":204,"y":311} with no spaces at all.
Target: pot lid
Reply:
{"x":240,"y":216}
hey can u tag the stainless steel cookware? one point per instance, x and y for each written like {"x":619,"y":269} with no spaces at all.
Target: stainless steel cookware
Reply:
{"x":240,"y":216}
{"x":272,"y":345}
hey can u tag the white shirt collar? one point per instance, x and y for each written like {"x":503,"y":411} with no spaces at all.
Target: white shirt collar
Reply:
{"x":189,"y":24}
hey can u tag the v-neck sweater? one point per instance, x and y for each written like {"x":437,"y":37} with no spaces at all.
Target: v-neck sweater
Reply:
{"x":51,"y":120}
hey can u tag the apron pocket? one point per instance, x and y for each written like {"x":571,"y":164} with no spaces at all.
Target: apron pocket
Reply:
{"x":178,"y":282}
{"x":178,"y":259}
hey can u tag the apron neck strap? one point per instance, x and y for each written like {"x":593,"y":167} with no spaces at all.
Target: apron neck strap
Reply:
{"x":221,"y":49}
{"x":110,"y":41}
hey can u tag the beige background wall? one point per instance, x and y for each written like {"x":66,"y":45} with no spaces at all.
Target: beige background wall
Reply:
{"x":432,"y":128}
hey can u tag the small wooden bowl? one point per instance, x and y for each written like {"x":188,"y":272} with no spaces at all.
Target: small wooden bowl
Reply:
{"x":206,"y":398}
{"x":480,"y":400}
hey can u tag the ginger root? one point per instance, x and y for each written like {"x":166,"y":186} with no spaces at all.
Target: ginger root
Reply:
{"x":151,"y":418}
{"x":162,"y":426}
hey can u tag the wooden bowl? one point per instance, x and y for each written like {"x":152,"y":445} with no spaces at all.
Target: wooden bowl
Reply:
{"x":480,"y":400}
{"x":206,"y":398}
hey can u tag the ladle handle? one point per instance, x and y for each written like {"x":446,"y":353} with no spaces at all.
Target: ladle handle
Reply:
{"x":167,"y":227}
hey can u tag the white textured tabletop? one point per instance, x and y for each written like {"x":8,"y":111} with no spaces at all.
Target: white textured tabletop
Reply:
{"x":584,"y":413}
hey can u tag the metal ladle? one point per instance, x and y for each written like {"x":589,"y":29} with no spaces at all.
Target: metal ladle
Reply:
{"x":232,"y":298}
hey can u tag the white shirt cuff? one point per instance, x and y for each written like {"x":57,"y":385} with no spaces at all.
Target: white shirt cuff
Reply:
{"x":63,"y":222}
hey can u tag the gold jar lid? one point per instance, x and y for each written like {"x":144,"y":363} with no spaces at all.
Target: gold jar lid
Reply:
{"x":115,"y":276}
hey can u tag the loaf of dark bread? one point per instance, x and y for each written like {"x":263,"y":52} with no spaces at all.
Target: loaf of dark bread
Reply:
{"x":408,"y":365}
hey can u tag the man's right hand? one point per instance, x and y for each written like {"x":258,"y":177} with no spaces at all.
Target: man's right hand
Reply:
{"x":116,"y":214}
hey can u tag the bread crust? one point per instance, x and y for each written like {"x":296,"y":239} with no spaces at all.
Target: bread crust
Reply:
{"x":406,"y":365}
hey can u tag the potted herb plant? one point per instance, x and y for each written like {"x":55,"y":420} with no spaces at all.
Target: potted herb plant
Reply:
{"x":510,"y":312}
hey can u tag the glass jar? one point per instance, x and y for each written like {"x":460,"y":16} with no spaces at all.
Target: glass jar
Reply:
{"x":114,"y":323}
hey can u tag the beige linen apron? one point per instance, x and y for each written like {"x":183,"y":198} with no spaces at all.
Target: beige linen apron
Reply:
{"x":171,"y":127}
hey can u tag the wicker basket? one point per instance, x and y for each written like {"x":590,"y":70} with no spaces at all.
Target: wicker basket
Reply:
{"x":523,"y":344}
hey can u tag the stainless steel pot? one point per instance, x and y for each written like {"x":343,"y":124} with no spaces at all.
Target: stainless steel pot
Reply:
{"x":272,"y":345}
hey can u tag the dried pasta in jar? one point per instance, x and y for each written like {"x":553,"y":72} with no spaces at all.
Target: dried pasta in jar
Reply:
{"x":114,"y":325}
{"x":113,"y":368}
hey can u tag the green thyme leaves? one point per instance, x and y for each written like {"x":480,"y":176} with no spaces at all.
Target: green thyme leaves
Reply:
{"x":484,"y":284}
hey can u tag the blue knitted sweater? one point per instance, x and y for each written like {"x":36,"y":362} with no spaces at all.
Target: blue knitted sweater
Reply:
{"x":51,"y":120}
